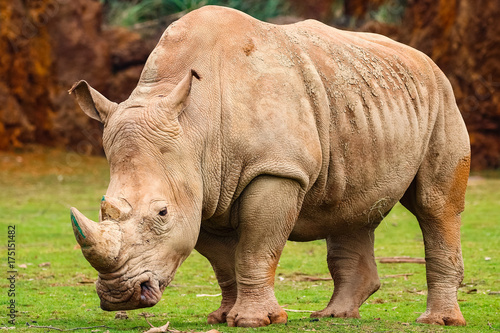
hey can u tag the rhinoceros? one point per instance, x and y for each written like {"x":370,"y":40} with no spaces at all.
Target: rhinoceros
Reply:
{"x":241,"y":135}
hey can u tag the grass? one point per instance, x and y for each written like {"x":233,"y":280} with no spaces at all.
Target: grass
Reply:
{"x":38,"y":186}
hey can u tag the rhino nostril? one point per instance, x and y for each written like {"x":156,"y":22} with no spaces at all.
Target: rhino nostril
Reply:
{"x":146,"y":291}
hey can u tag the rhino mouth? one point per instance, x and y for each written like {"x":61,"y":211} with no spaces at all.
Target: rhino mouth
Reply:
{"x":144,"y":292}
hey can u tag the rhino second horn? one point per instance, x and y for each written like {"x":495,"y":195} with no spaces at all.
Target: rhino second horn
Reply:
{"x":115,"y":209}
{"x":100,"y":242}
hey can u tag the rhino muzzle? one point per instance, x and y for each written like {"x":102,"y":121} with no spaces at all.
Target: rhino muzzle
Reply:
{"x":145,"y":291}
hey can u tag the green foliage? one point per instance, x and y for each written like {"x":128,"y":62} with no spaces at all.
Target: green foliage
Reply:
{"x":38,"y":188}
{"x":125,"y":13}
{"x":391,"y":12}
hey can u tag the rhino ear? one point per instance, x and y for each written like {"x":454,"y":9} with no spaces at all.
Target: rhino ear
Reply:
{"x":177,"y":101}
{"x":94,"y":104}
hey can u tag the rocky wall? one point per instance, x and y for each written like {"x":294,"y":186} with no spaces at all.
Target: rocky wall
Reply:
{"x":46,"y":46}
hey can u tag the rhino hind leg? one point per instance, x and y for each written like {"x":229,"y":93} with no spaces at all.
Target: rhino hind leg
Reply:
{"x":220,"y":251}
{"x":437,"y":201}
{"x":352,"y":265}
{"x":267,"y":210}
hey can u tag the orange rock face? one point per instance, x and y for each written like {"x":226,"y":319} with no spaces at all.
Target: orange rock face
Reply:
{"x":46,"y":46}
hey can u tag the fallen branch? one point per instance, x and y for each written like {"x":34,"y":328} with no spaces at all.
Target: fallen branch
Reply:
{"x":208,"y":295}
{"x":399,"y":260}
{"x":67,"y":329}
{"x":397,"y":275}
{"x":313,"y":278}
{"x":491,"y":326}
{"x":299,"y":311}
{"x":160,"y":329}
{"x":165,"y":329}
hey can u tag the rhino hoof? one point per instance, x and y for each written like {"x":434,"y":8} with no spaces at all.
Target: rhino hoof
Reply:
{"x":217,"y":317}
{"x":449,"y":319}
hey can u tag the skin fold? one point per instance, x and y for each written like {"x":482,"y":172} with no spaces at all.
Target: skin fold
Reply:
{"x":241,"y":135}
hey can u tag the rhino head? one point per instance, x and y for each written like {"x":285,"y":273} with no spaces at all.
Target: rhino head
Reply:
{"x":151,"y":214}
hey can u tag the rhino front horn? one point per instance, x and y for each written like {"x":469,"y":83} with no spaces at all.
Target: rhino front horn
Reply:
{"x":84,"y":228}
{"x":100,"y":242}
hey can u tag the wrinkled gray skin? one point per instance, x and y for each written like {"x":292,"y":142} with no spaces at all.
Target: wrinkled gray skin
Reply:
{"x":242,"y":135}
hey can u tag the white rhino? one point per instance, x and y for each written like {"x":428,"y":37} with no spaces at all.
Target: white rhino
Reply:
{"x":296,"y":132}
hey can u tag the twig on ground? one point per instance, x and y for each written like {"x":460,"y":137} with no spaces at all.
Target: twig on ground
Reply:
{"x":67,"y":329}
{"x":299,"y":311}
{"x":491,"y":326}
{"x":313,"y":278}
{"x":208,"y":295}
{"x":398,"y":260}
{"x":397,"y":275}
{"x":160,"y":329}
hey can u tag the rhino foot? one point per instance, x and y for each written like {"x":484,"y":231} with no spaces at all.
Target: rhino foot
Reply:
{"x":251,"y":317}
{"x":219,"y":316}
{"x":451,"y":318}
{"x":336,"y":313}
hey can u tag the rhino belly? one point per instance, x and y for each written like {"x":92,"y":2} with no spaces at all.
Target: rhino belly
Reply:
{"x":356,"y":209}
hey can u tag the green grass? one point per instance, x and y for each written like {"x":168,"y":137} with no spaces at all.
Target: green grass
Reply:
{"x":38,"y":187}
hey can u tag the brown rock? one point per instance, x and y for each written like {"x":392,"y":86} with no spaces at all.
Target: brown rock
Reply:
{"x":464,"y":40}
{"x":49,"y":45}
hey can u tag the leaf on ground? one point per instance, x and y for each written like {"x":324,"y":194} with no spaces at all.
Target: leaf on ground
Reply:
{"x":44,"y":264}
{"x":161,"y":329}
{"x":22,"y":266}
{"x":164,"y":329}
{"x":378,"y":301}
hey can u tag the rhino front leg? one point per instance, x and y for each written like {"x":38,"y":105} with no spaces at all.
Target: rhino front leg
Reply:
{"x":220,"y":251}
{"x":352,"y":265}
{"x":267,"y":211}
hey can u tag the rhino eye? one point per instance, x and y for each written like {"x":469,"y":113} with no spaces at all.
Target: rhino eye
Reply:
{"x":163,"y":212}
